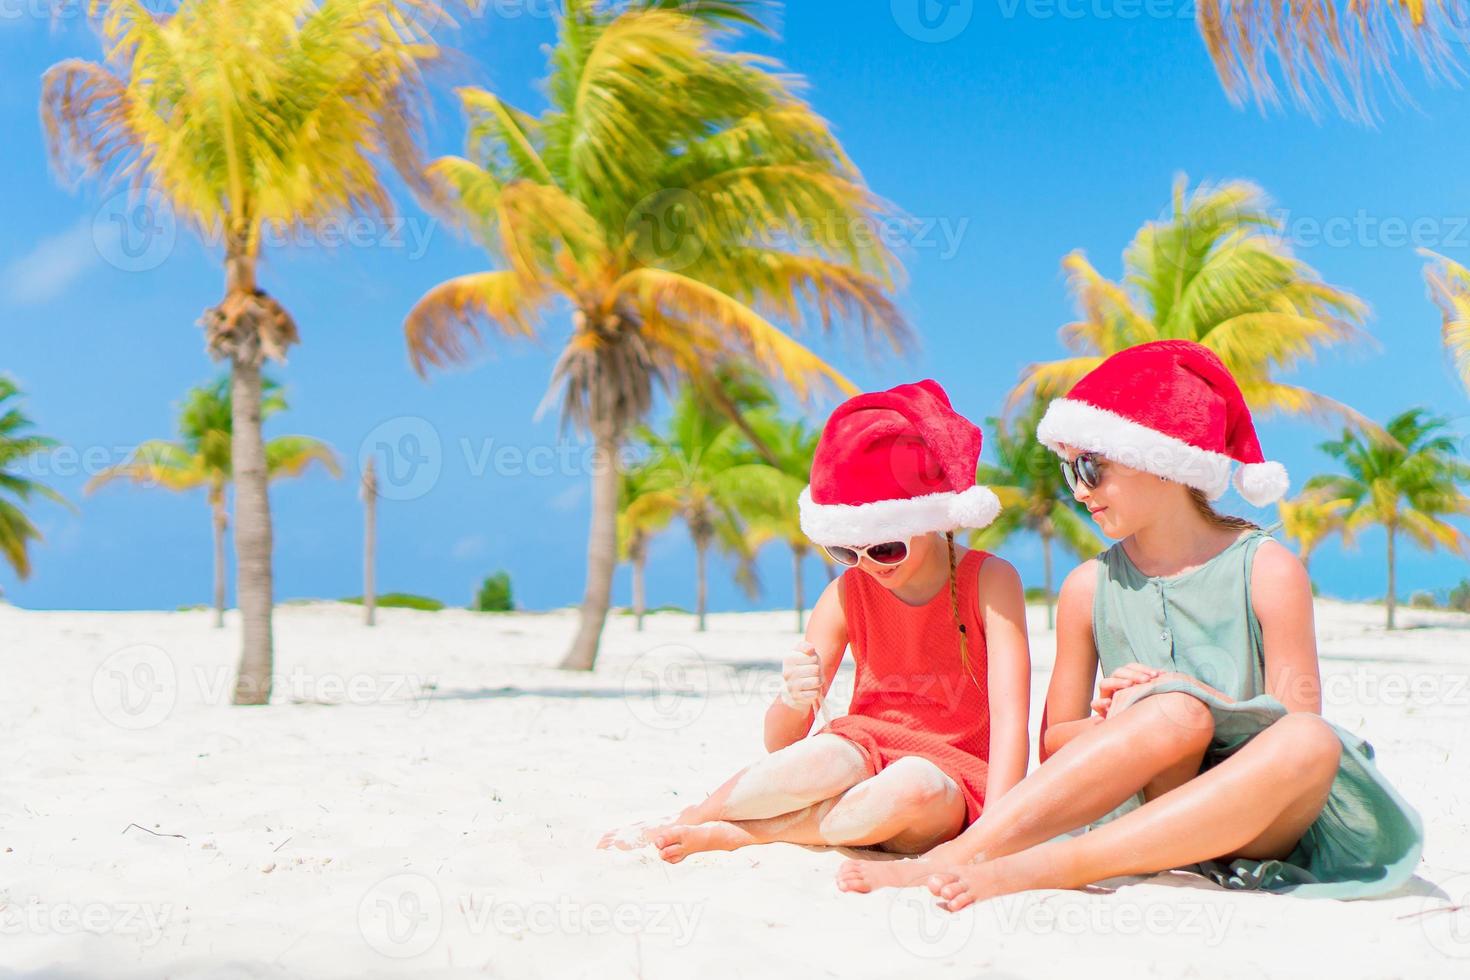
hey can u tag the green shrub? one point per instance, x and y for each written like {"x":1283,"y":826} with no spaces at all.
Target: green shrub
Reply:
{"x":1460,"y":596}
{"x":402,"y":600}
{"x":494,"y":594}
{"x":1423,"y":600}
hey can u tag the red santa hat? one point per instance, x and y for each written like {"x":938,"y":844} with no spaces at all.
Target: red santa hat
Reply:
{"x":894,"y":464}
{"x":1170,"y":408}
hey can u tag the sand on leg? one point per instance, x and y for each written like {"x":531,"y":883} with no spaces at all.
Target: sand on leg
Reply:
{"x":1152,"y":746}
{"x":806,"y":772}
{"x":1256,"y":804}
{"x":908,"y":807}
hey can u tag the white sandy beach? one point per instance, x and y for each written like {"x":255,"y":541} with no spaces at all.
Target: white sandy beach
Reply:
{"x":422,"y":799}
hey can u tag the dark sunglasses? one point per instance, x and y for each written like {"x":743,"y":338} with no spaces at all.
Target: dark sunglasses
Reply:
{"x":1086,"y":470}
{"x":887,"y":553}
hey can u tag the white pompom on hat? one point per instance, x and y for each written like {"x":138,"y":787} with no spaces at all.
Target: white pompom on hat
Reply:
{"x":1170,"y":408}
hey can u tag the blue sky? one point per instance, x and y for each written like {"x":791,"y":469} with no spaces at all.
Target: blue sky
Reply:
{"x":1015,"y":131}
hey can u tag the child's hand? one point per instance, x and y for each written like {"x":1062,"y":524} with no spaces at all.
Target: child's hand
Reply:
{"x":801,"y":677}
{"x":1121,"y":679}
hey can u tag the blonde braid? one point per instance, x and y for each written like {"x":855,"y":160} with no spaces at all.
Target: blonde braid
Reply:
{"x":954,"y":609}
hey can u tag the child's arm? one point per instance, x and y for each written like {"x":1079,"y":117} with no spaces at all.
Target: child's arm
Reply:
{"x":1281,"y":594}
{"x":1008,"y":674}
{"x":826,"y":632}
{"x":1069,"y":696}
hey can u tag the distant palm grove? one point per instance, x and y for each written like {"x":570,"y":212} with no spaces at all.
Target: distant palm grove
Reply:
{"x":674,"y":223}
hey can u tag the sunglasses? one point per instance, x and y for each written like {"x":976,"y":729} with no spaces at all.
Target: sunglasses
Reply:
{"x":1086,"y":470}
{"x":887,"y":553}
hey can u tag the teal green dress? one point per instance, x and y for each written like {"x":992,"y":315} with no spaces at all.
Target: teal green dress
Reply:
{"x":1367,"y":840}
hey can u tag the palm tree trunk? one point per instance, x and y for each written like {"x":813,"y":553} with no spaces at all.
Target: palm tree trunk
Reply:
{"x":701,"y":579}
{"x":640,"y":604}
{"x":796,"y":556}
{"x":369,"y":543}
{"x":602,"y":551}
{"x":221,"y":521}
{"x":1051,"y":607}
{"x":252,"y":527}
{"x":1392,"y":584}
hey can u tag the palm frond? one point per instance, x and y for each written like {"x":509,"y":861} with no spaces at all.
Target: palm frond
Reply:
{"x":444,"y":324}
{"x":1449,"y":287}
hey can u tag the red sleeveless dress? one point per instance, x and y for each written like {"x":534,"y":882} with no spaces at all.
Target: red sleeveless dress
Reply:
{"x":912,"y":696}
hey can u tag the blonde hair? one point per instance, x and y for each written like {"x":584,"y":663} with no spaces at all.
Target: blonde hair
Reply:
{"x":954,"y":609}
{"x":1215,"y":518}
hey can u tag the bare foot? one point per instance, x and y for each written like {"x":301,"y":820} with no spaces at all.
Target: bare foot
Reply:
{"x":677,"y":842}
{"x":959,"y":886}
{"x":641,"y":834}
{"x":634,"y":835}
{"x":867,"y":876}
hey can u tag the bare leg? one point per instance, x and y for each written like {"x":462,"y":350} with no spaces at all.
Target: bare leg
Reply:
{"x":1152,"y":746}
{"x":909,"y":807}
{"x":1256,"y":804}
{"x":803,"y":773}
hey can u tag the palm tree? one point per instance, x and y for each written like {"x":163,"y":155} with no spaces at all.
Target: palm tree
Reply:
{"x":679,"y":200}
{"x":1327,"y":49}
{"x":771,"y":507}
{"x":1449,"y":287}
{"x":1409,"y":487}
{"x":636,"y":526}
{"x":703,"y":472}
{"x":1215,"y":272}
{"x":369,"y":493}
{"x":243,"y":115}
{"x":1309,"y":519}
{"x":201,"y":458}
{"x":17,"y":444}
{"x":1034,"y":497}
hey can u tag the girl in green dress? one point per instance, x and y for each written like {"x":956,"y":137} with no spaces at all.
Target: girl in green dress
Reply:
{"x":1203,"y":747}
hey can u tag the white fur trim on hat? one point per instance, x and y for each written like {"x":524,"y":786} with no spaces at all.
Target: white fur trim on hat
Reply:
{"x":1261,"y":483}
{"x":896,"y":520}
{"x":1097,"y":430}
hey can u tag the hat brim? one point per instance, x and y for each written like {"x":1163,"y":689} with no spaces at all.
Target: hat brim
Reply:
{"x":1069,"y":422}
{"x":896,"y":520}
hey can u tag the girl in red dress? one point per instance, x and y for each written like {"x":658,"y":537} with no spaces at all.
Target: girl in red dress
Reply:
{"x":937,"y":722}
